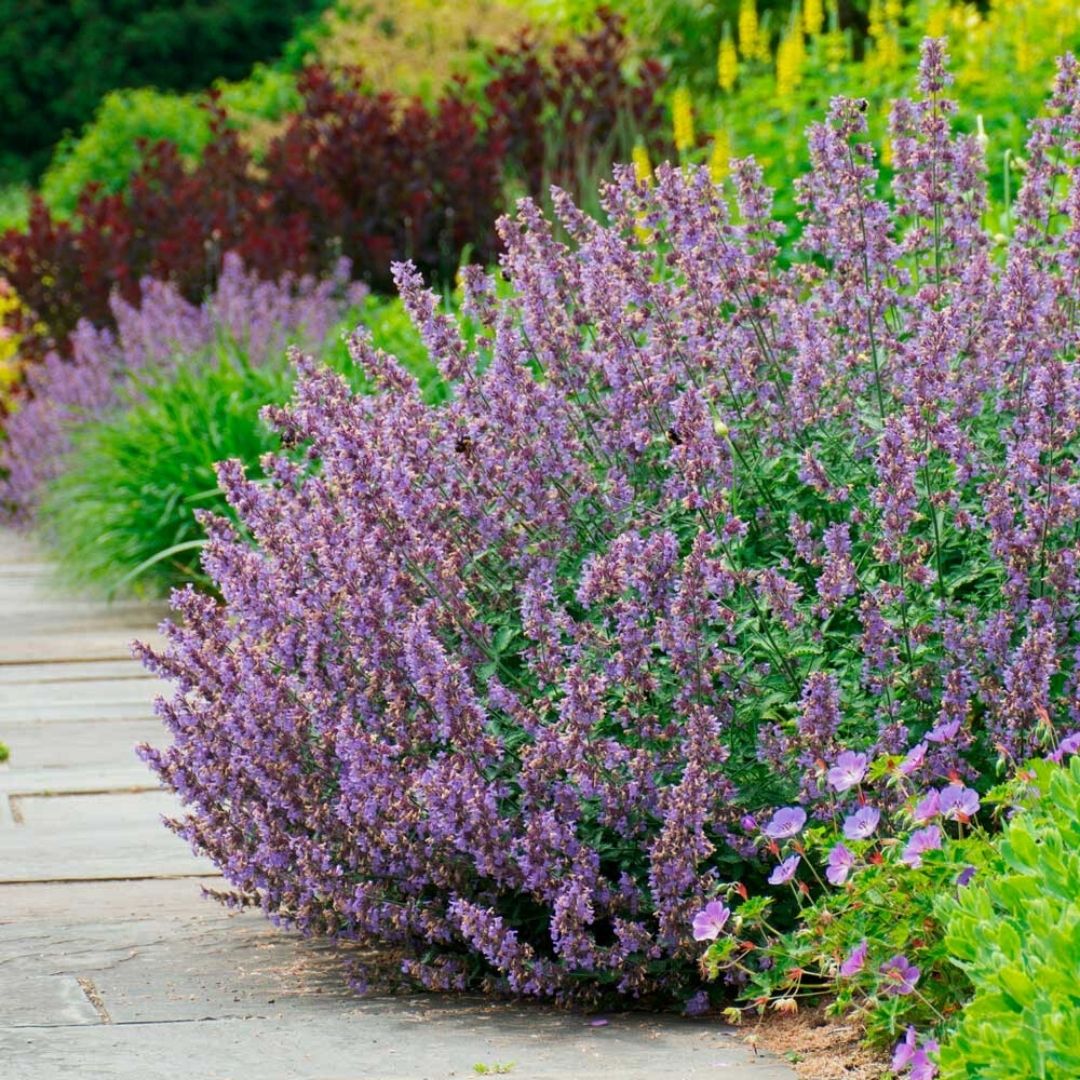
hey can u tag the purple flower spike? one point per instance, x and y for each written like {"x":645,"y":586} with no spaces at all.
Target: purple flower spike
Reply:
{"x":862,"y":823}
{"x":958,"y":803}
{"x":785,"y":871}
{"x":840,"y":863}
{"x":786,"y":822}
{"x":848,"y":772}
{"x":922,"y":841}
{"x":855,"y":960}
{"x":709,"y":922}
{"x":899,"y":975}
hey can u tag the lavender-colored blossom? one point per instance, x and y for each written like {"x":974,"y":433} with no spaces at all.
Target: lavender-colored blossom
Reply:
{"x":927,"y":808}
{"x":1069,"y":745}
{"x":920,"y":842}
{"x":943,"y":733}
{"x":840,"y":863}
{"x":957,"y":802}
{"x":909,"y":1055}
{"x":848,"y":771}
{"x":862,"y":823}
{"x":855,"y":960}
{"x":965,"y":876}
{"x":260,"y":318}
{"x":786,"y":822}
{"x":899,"y":976}
{"x":710,"y":921}
{"x":913,"y":760}
{"x":784,"y":871}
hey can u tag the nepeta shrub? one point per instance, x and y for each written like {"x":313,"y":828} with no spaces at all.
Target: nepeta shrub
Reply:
{"x":245,"y":314}
{"x":512,"y":682}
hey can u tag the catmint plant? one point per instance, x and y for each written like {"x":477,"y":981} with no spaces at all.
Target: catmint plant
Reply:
{"x":708,"y":550}
{"x":258,"y":319}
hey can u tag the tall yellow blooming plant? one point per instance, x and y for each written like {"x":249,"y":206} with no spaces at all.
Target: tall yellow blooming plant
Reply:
{"x":774,"y":64}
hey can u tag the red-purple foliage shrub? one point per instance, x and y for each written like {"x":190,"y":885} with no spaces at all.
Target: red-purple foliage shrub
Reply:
{"x":569,"y":118}
{"x":377,"y":177}
{"x":173,"y":224}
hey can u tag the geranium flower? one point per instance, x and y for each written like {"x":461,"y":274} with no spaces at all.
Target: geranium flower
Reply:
{"x":908,"y":1055}
{"x":840,"y":863}
{"x":862,"y":823}
{"x":965,"y":876}
{"x":900,"y":975}
{"x":922,"y":841}
{"x":944,"y":733}
{"x":855,"y":960}
{"x":849,"y":770}
{"x":787,"y":821}
{"x":710,"y":921}
{"x":785,"y":871}
{"x":1069,"y":745}
{"x":927,"y":808}
{"x":913,"y":759}
{"x":958,"y":803}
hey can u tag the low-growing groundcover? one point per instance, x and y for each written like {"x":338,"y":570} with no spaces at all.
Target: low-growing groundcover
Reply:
{"x":514,"y":682}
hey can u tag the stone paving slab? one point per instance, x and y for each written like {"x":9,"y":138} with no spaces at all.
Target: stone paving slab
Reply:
{"x":192,"y":991}
{"x":114,"y":967}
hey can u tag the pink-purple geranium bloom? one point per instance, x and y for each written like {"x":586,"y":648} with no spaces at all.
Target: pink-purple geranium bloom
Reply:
{"x":913,"y":759}
{"x":784,"y":871}
{"x":909,"y":1055}
{"x":855,"y":960}
{"x":927,"y":808}
{"x":958,"y":803}
{"x":862,"y":823}
{"x":786,"y":822}
{"x":709,"y":923}
{"x":840,"y":863}
{"x":848,"y":772}
{"x":920,"y":842}
{"x":899,"y":975}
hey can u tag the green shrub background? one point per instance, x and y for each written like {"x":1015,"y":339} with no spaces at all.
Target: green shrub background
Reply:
{"x":57,"y":60}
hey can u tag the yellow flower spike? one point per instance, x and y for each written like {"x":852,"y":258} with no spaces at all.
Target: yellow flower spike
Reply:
{"x":682,"y":116}
{"x":790,"y":60}
{"x":814,"y":17}
{"x":727,"y":62}
{"x":720,"y":156}
{"x":642,"y":165}
{"x":875,"y":20}
{"x":937,"y":22}
{"x":749,"y":30}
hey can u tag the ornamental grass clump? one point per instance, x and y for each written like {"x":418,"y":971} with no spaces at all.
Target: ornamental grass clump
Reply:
{"x":512,"y":683}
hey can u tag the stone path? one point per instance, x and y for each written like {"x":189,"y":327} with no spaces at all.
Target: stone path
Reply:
{"x":113,"y":966}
